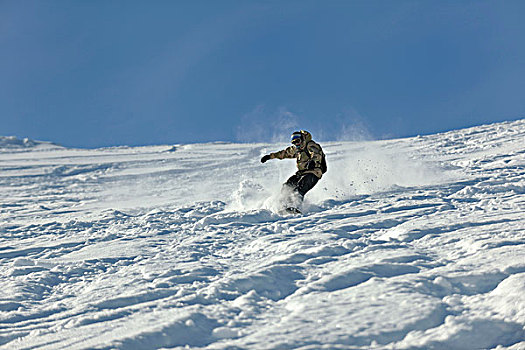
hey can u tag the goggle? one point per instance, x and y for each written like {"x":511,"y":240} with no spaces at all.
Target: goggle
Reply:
{"x":296,"y":140}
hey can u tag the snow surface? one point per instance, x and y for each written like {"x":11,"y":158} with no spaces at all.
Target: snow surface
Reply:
{"x":414,"y":243}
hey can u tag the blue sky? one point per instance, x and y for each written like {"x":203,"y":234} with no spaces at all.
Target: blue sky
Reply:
{"x":100,"y":73}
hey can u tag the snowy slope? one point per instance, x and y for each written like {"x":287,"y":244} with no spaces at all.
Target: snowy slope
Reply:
{"x":13,"y":143}
{"x":405,"y":244}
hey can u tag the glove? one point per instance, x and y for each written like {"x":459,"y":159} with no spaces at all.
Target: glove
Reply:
{"x":265,"y":158}
{"x":310,"y":165}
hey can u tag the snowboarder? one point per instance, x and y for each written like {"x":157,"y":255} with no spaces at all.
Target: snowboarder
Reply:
{"x":311,"y":165}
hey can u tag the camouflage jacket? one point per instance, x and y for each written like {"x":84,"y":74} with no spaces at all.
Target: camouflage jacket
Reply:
{"x":308,"y":150}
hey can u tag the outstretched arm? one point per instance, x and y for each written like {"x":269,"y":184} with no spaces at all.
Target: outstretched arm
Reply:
{"x":285,"y":153}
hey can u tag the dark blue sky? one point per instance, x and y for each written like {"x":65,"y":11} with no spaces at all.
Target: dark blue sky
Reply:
{"x":100,"y":73}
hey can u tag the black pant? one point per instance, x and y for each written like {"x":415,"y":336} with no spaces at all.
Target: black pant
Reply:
{"x":302,"y":183}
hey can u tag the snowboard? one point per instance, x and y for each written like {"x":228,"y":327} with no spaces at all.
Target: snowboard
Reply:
{"x":292,"y":211}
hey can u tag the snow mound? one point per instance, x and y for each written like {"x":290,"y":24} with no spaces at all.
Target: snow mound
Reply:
{"x":14,"y":143}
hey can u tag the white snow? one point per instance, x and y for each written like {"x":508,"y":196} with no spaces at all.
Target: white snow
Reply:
{"x":13,"y":143}
{"x":414,"y":243}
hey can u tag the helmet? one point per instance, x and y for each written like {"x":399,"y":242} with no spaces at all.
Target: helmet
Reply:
{"x":297,"y":138}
